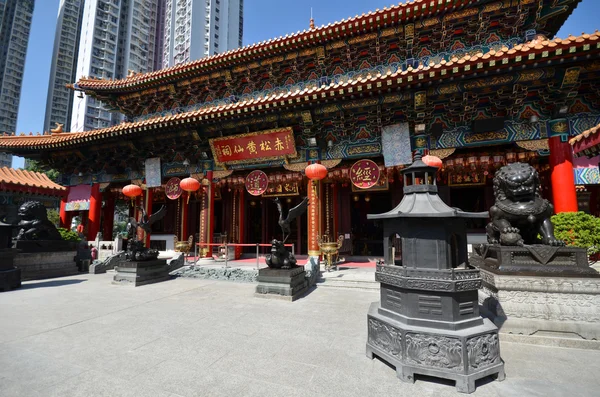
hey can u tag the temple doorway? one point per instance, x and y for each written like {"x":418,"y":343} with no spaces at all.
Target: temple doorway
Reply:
{"x":471,"y":199}
{"x":367,"y":235}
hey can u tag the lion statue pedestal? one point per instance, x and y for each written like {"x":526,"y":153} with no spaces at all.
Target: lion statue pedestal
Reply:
{"x":43,"y":253}
{"x":283,"y":279}
{"x":532,"y":283}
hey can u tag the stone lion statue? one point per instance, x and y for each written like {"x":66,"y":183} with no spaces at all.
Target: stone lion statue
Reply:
{"x":520,"y":214}
{"x":34,"y":223}
{"x":280,"y":258}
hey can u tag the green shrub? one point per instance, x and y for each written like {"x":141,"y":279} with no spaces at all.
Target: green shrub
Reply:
{"x":578,"y":229}
{"x":68,"y":235}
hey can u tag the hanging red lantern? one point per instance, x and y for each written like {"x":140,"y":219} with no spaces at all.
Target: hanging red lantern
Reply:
{"x":190,"y":185}
{"x":315,"y":172}
{"x":132,"y":191}
{"x":432,"y":161}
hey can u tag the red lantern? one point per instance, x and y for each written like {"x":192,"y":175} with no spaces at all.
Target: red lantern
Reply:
{"x":132,"y":191}
{"x":316,"y":172}
{"x":432,"y":161}
{"x":189,"y":185}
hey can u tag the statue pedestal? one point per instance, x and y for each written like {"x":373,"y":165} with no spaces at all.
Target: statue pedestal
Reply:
{"x":539,"y":290}
{"x":137,"y":273}
{"x":285,"y":284}
{"x":40,"y":265}
{"x":10,"y":276}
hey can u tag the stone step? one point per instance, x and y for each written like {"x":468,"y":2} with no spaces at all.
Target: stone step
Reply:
{"x":348,"y":283}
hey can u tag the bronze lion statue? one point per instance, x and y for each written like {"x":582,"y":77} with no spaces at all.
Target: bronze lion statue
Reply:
{"x":520,"y":215}
{"x":280,"y":258}
{"x":34,"y":223}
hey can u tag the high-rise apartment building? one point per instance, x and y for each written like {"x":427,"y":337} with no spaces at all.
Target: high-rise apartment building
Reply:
{"x":15,"y":23}
{"x":64,"y":61}
{"x":118,"y":37}
{"x":199,"y":28}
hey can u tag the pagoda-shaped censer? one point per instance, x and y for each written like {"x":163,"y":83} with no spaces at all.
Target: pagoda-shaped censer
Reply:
{"x":428,"y":321}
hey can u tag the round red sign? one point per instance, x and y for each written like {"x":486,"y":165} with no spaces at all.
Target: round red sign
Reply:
{"x":172,"y":188}
{"x":364,"y":174}
{"x":257,"y":183}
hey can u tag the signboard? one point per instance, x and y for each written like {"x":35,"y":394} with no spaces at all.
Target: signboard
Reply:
{"x":172,"y":188}
{"x":282,"y":189}
{"x":472,"y":179}
{"x":256,"y":182}
{"x":395,"y":140}
{"x":253,"y":147}
{"x":364,"y":174}
{"x":153,"y":177}
{"x":79,"y":198}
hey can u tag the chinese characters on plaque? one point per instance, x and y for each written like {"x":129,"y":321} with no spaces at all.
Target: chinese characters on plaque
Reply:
{"x":172,"y":189}
{"x":270,"y":144}
{"x":364,"y":174}
{"x":279,"y":189}
{"x":257,"y":182}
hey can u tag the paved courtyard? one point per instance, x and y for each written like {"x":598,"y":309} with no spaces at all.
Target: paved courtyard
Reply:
{"x":83,"y":336}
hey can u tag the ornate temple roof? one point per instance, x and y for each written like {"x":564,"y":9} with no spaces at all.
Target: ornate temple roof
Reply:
{"x":417,"y":11}
{"x":587,"y":143}
{"x":19,"y":180}
{"x":528,"y":53}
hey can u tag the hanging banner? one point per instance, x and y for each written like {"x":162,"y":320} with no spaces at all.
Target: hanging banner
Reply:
{"x":254,"y":146}
{"x":256,"y":182}
{"x":395,"y":140}
{"x":79,"y":198}
{"x":364,"y":174}
{"x":153,"y":177}
{"x":172,"y":188}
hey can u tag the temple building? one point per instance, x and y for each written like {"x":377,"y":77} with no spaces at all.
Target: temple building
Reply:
{"x":477,"y":83}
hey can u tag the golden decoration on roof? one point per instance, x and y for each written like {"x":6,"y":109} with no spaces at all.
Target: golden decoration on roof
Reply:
{"x":538,"y":144}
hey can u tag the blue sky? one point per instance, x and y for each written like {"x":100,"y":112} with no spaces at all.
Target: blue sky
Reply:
{"x":263,"y":19}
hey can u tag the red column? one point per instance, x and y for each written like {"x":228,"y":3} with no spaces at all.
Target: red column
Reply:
{"x":63,"y":211}
{"x":314,"y":210}
{"x":561,"y":167}
{"x":94,"y":212}
{"x":185,"y":208}
{"x":207,"y":214}
{"x":241,"y":222}
{"x":148,"y":209}
{"x":108,"y":216}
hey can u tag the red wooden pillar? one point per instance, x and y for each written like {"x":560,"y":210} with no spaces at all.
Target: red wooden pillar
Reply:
{"x":185,"y":207}
{"x":207,"y":215}
{"x":241,"y":222}
{"x":314,"y":211}
{"x":109,"y":216}
{"x":562,"y":177}
{"x":148,"y":209}
{"x":64,"y":221}
{"x":94,"y":212}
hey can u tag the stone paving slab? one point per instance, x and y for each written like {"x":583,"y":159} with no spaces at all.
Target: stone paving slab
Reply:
{"x":83,"y":336}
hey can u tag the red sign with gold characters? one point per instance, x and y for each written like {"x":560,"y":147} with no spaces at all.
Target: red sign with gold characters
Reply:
{"x":172,"y":189}
{"x":257,"y":182}
{"x":254,"y":146}
{"x":364,"y":174}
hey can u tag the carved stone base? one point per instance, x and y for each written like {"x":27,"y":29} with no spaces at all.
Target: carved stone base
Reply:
{"x":564,"y":306}
{"x":10,"y":276}
{"x":463,"y":356}
{"x":286,"y":284}
{"x":40,"y":265}
{"x":141,"y":273}
{"x":533,"y":260}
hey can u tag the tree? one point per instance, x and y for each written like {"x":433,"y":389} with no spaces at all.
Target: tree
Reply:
{"x":35,"y":166}
{"x":53,"y":216}
{"x":578,"y":229}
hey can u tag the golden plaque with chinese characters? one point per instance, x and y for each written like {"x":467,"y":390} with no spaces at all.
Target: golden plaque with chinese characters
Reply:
{"x":257,"y":182}
{"x":364,"y":174}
